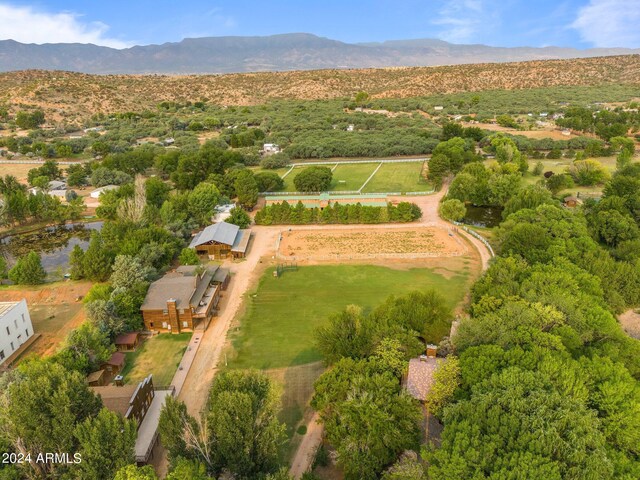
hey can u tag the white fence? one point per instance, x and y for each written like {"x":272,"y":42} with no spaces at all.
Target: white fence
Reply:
{"x":477,"y":235}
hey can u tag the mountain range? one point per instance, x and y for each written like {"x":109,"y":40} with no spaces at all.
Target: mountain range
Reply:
{"x":295,"y":51}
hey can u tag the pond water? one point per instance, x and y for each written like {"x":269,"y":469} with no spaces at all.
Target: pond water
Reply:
{"x":54,"y":244}
{"x":483,"y":216}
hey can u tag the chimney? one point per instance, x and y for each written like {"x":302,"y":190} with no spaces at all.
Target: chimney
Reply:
{"x":432,"y":350}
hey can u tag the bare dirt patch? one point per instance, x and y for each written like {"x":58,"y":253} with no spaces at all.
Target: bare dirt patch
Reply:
{"x":53,"y":309}
{"x":630,"y":322}
{"x":361,"y":243}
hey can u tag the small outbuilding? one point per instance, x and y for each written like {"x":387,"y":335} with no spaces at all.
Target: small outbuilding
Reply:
{"x":127,"y":342}
{"x":572,"y":202}
{"x":115,"y":364}
{"x":97,"y":379}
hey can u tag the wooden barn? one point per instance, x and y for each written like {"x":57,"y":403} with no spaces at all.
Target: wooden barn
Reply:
{"x":127,"y":342}
{"x":221,"y":240}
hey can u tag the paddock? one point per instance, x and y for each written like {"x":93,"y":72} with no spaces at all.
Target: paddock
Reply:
{"x":342,"y":245}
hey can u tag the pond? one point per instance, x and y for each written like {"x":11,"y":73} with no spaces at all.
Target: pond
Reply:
{"x":483,"y":216}
{"x":54,"y":244}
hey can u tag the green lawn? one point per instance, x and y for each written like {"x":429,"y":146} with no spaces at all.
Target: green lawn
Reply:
{"x":560,"y":166}
{"x":398,"y":177}
{"x":159,"y":355}
{"x":282,"y":315}
{"x":351,"y":177}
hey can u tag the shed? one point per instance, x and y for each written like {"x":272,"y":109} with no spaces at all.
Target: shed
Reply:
{"x":221,"y":240}
{"x":97,"y":379}
{"x":127,"y":342}
{"x":572,"y":202}
{"x":115,"y":364}
{"x":99,"y":191}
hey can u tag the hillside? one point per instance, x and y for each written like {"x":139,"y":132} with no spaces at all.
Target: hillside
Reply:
{"x":293,"y":51}
{"x":74,"y":95}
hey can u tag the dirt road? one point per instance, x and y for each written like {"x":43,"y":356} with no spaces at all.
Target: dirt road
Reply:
{"x":244,"y":276}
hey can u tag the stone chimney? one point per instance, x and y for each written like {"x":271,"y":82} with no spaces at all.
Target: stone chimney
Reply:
{"x":432,"y":350}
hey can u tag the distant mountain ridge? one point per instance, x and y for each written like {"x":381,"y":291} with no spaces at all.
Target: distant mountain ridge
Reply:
{"x":294,"y":51}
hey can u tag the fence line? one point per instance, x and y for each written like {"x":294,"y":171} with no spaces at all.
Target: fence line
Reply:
{"x":346,"y":162}
{"x":361,"y":256}
{"x":347,"y":192}
{"x":477,"y":235}
{"x":39,"y":162}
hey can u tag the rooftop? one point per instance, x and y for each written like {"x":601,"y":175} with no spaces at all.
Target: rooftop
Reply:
{"x":242,"y":241}
{"x":420,"y":376}
{"x":116,"y":398}
{"x":183,"y":285}
{"x":6,"y":307}
{"x":127,"y":338}
{"x":221,"y":232}
{"x":116,"y":359}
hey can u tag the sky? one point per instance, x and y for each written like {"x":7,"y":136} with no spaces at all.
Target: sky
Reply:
{"x":508,"y":23}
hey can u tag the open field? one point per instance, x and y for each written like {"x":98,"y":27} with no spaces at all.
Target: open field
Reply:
{"x":159,"y":355}
{"x":560,"y":166}
{"x":398,"y":177}
{"x":53,"y":309}
{"x":351,"y":177}
{"x":282,"y":315}
{"x":276,"y":332}
{"x":21,"y":170}
{"x":366,"y":243}
{"x":391,"y":177}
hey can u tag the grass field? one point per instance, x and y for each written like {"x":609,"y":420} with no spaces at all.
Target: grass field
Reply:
{"x":159,"y":355}
{"x":398,"y":177}
{"x":392,"y":177}
{"x":560,"y":166}
{"x":278,"y":327}
{"x":276,"y":332}
{"x":351,"y":177}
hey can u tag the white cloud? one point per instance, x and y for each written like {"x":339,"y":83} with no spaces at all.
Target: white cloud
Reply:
{"x":27,"y":25}
{"x":609,"y":23}
{"x":461,"y":20}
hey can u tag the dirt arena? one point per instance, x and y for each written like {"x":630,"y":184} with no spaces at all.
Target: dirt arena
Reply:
{"x":327,"y":244}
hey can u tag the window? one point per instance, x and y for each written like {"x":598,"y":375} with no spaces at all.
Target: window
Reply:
{"x":164,"y":324}
{"x":8,"y":332}
{"x":15,"y":324}
{"x":165,"y":311}
{"x":12,"y":347}
{"x":22,"y":317}
{"x":150,"y":324}
{"x":185,"y":324}
{"x":1,"y":354}
{"x":26,"y":330}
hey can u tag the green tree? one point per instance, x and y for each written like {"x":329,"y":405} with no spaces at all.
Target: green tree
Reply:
{"x":29,"y":120}
{"x":157,"y":191}
{"x":203,"y":200}
{"x":97,"y":259}
{"x":133,"y":472}
{"x":269,"y":182}
{"x":362,"y":405}
{"x":188,"y":256}
{"x":41,"y":402}
{"x":588,"y":172}
{"x":530,"y":196}
{"x":106,"y":443}
{"x":85,"y":349}
{"x":557,"y":183}
{"x":446,"y":380}
{"x":28,"y":270}
{"x":246,"y":188}
{"x":452,"y":209}
{"x":313,"y":179}
{"x":239,"y":217}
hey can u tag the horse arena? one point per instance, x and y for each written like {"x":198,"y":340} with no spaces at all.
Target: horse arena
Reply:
{"x":333,"y":244}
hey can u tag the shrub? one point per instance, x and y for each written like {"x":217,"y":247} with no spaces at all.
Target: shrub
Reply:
{"x":28,"y":270}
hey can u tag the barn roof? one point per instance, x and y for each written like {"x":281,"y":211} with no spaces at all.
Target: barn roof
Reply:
{"x":221,"y":232}
{"x":241,"y":242}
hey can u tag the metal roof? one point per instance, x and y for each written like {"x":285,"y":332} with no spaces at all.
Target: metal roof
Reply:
{"x":6,"y":307}
{"x":222,"y":232}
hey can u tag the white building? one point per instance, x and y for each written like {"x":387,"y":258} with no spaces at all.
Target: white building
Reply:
{"x":99,"y":191}
{"x":271,"y":148}
{"x":15,"y":327}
